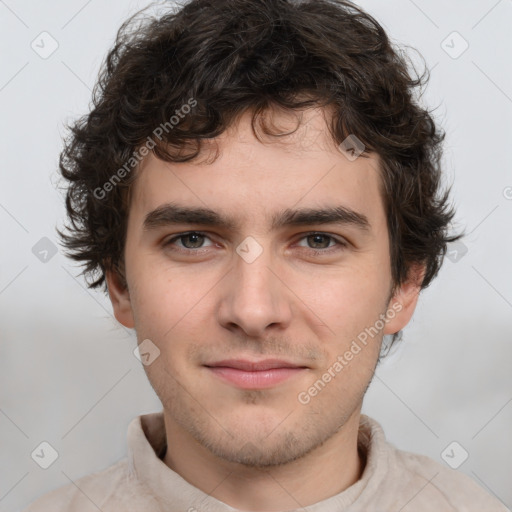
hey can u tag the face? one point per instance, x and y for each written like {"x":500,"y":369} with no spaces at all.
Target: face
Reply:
{"x":256,"y":276}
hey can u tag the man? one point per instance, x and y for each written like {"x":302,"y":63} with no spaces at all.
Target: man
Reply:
{"x":260,"y":194}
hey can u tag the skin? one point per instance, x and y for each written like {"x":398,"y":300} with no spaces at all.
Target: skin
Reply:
{"x":261,"y":449}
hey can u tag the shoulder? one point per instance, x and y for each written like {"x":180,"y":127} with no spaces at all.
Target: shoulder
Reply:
{"x":111,"y":487}
{"x":451,"y":489}
{"x":410,"y":482}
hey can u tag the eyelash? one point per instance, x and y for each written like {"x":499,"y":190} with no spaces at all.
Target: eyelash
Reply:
{"x":340,"y":244}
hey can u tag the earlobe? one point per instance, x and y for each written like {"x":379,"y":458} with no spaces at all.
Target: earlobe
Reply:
{"x":120,"y":299}
{"x":403,"y":303}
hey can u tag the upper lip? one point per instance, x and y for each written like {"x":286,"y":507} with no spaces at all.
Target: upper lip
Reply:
{"x":252,"y":366}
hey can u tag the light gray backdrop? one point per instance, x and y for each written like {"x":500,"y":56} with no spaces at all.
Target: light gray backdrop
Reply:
{"x":68,"y":375}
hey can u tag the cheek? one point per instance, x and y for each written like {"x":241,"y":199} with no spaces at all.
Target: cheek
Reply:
{"x":164,"y":303}
{"x":348,"y":299}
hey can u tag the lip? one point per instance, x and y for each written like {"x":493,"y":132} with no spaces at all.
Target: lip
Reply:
{"x":263,"y":374}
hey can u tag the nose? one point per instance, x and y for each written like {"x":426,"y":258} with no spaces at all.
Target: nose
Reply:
{"x":253,"y":298}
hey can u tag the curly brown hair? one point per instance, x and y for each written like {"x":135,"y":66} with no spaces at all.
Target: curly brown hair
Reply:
{"x":226,"y":57}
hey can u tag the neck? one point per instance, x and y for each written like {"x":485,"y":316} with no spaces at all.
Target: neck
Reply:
{"x":326,"y":471}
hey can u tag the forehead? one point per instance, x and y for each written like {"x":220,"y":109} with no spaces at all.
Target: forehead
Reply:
{"x":255,"y":177}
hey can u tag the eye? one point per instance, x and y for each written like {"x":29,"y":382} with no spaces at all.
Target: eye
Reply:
{"x":316,"y":243}
{"x":322,"y":242}
{"x":188,"y":241}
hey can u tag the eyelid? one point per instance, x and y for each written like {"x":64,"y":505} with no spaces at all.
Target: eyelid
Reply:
{"x":336,"y":238}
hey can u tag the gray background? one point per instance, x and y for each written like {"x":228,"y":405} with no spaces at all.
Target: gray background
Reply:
{"x":67,"y":372}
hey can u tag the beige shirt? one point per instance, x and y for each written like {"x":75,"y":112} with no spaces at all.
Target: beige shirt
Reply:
{"x":392,"y":481}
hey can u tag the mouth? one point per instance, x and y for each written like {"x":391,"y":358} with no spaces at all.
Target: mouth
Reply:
{"x":246,"y":374}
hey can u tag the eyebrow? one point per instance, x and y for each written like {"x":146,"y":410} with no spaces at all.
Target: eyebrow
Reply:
{"x":170,"y":214}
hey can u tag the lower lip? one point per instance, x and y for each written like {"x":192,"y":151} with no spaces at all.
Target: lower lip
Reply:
{"x":260,"y":379}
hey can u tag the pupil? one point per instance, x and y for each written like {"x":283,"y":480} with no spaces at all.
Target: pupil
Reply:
{"x":195,"y":239}
{"x":318,"y":240}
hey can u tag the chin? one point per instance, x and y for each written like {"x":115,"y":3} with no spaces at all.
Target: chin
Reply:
{"x":261,"y":453}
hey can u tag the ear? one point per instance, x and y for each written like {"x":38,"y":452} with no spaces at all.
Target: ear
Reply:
{"x":404,"y":300}
{"x":120,"y":298}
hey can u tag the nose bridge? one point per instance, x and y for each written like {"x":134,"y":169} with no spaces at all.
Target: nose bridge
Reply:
{"x":254,"y":298}
{"x":255,"y":278}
